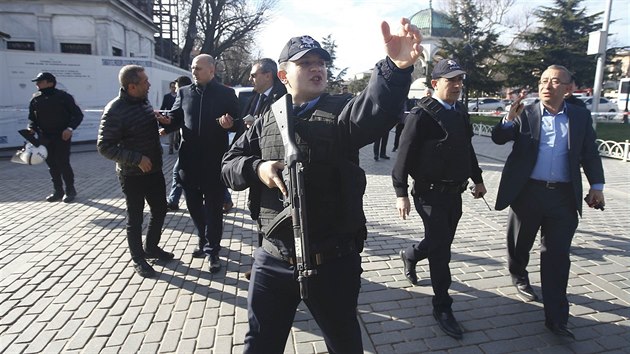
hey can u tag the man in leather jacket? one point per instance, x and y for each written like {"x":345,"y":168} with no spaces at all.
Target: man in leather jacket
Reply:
{"x":128,"y":134}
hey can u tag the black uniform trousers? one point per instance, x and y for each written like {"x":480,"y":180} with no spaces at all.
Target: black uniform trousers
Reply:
{"x":205,"y":205}
{"x":398,"y":131}
{"x":553,"y":212}
{"x":137,"y":189}
{"x":274,"y":295}
{"x":58,"y":162}
{"x":380,"y":145}
{"x":440,"y":213}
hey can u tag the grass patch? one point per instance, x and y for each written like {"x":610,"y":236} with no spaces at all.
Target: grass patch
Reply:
{"x":614,"y":131}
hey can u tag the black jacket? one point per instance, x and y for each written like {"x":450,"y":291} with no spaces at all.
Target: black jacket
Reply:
{"x":127,"y":132}
{"x":204,"y":141}
{"x":51,"y":111}
{"x":167,"y":101}
{"x":420,"y":127}
{"x":363,"y":119}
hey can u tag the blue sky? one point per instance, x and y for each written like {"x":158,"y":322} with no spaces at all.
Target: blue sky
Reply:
{"x":355,"y":25}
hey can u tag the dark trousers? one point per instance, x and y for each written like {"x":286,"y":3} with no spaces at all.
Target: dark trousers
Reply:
{"x":440,"y":213}
{"x":380,"y":145}
{"x":58,"y":162}
{"x":205,"y":205}
{"x":137,"y":189}
{"x":398,"y":131}
{"x":274,"y":296}
{"x":553,"y":212}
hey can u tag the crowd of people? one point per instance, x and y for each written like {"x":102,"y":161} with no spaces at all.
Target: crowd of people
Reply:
{"x":541,"y":182}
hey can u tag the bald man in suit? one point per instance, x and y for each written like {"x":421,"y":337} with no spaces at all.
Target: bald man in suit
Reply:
{"x":542,"y":184}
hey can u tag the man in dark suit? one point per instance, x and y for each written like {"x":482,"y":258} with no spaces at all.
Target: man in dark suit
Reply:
{"x":167,"y":102}
{"x":268,"y":88}
{"x":541,"y":183}
{"x":204,"y":111}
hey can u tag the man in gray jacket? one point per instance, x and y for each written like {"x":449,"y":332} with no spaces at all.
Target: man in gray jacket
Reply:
{"x":128,"y":134}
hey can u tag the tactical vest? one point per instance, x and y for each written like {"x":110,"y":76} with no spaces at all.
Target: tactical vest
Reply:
{"x":445,"y":158}
{"x":335,"y":184}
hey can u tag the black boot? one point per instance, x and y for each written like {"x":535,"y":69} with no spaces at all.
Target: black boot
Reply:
{"x":55,"y":197}
{"x":70,"y":194}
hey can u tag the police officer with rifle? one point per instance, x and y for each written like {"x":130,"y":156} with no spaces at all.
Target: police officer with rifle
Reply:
{"x":314,"y":255}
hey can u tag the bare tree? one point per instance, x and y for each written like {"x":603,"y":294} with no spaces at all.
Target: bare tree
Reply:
{"x":215,"y":26}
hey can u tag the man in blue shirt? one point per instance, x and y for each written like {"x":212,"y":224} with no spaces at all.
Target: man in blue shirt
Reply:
{"x":541,"y":183}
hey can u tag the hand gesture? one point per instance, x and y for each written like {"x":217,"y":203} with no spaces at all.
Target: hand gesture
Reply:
{"x":164,"y":120}
{"x":403,"y":48}
{"x":517,"y":107}
{"x":226,"y":121}
{"x":403,"y":206}
{"x":269,"y":173}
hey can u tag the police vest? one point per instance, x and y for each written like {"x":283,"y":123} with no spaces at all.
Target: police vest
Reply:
{"x":334,"y":182}
{"x":446,"y":158}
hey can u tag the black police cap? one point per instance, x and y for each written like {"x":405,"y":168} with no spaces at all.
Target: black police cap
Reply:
{"x":298,"y":46}
{"x":44,"y":76}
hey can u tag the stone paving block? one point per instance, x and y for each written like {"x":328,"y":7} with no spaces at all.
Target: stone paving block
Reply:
{"x":108,"y":326}
{"x":133,"y":343}
{"x":80,"y":339}
{"x":223,"y":344}
{"x":130,"y":315}
{"x":39,"y":342}
{"x":69,"y":329}
{"x":170,"y":341}
{"x":119,"y":335}
{"x":206,"y":338}
{"x":59,"y":320}
{"x":178,"y":319}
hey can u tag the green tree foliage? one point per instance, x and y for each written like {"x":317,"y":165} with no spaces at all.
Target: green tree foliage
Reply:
{"x":478,"y":52}
{"x":561,"y":38}
{"x":335,"y":76}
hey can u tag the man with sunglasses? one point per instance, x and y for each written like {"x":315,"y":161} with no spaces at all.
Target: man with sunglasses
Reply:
{"x":436,"y":150}
{"x":541,"y":183}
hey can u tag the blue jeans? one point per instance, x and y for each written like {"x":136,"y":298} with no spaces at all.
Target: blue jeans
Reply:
{"x":176,"y":188}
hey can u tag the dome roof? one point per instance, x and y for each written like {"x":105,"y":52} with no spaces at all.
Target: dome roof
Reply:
{"x":433,"y":23}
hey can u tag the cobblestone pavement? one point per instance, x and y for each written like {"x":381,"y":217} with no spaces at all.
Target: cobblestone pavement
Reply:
{"x":67,"y":285}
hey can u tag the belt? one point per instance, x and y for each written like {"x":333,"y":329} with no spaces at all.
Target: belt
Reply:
{"x":549,"y":185}
{"x":444,"y":187}
{"x":341,"y":249}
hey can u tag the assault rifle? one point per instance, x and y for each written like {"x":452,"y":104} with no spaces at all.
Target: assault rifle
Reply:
{"x":293,"y":177}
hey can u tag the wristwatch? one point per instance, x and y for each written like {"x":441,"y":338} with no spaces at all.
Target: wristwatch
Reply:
{"x":70,"y":129}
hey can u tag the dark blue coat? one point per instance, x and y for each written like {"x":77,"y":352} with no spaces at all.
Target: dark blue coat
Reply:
{"x":204,"y":141}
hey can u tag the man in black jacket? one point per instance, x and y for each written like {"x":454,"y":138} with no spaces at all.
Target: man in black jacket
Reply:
{"x":436,"y":150}
{"x":167,"y":104}
{"x":204,"y":111}
{"x":54,"y":115}
{"x":128,"y":134}
{"x":330,"y":130}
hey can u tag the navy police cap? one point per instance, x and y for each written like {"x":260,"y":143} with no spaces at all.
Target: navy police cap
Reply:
{"x":298,"y":46}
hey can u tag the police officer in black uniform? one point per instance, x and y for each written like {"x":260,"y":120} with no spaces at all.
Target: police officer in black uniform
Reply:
{"x":436,"y":150}
{"x":54,"y":115}
{"x":330,"y":130}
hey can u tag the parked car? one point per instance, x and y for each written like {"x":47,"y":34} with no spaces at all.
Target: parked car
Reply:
{"x":605,"y":105}
{"x":485,"y":104}
{"x":526,"y":101}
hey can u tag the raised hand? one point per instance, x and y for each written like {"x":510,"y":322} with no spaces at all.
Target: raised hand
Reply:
{"x":404,"y":47}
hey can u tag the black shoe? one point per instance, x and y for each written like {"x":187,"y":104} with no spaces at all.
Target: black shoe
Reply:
{"x":527,"y":291}
{"x":215,"y":265}
{"x":143,"y":268}
{"x":55,"y":197}
{"x":409,"y":268}
{"x":448,"y":323}
{"x":385,"y":157}
{"x":172,"y":206}
{"x":198,"y":253}
{"x":70,"y":194}
{"x":559,"y":330}
{"x":394,"y":149}
{"x":159,"y":253}
{"x":375,"y":158}
{"x":248,"y":274}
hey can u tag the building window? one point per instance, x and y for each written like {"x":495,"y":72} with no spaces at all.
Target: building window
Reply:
{"x":76,"y":48}
{"x":117,"y":52}
{"x":21,"y":45}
